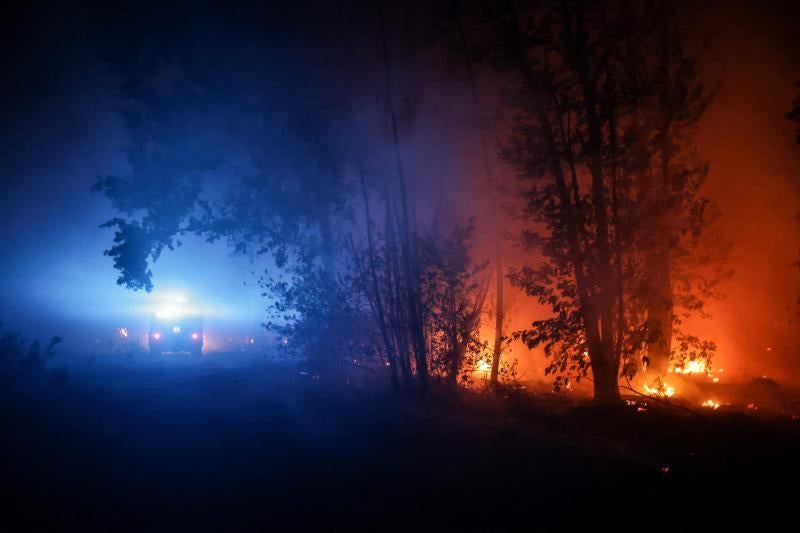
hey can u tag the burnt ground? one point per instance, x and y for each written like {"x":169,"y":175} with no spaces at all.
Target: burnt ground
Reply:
{"x":196,"y":445}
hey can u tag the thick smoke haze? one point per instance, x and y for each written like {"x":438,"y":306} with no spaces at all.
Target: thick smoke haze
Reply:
{"x":755,"y":178}
{"x":399,"y":265}
{"x":62,"y":128}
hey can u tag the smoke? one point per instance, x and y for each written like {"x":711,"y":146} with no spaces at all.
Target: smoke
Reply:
{"x":755,"y":179}
{"x":755,"y":162}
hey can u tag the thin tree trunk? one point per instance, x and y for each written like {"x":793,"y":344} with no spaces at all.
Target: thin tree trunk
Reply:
{"x":417,"y":333}
{"x":499,"y":316}
{"x":616,"y":222}
{"x":455,"y":352}
{"x":326,"y":241}
{"x":331,"y":333}
{"x":396,"y":310}
{"x":498,"y":245}
{"x":659,"y":297}
{"x":659,"y":310}
{"x":379,"y":311}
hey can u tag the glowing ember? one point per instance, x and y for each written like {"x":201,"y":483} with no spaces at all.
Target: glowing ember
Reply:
{"x":752,"y":406}
{"x":711,"y":404}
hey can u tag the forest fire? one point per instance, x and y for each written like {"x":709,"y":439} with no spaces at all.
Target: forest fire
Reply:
{"x":483,"y":366}
{"x":711,"y":404}
{"x":429,"y":288}
{"x":446,"y":250}
{"x":695,"y":366}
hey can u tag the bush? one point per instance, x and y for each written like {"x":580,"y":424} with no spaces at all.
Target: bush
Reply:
{"x":19,"y":353}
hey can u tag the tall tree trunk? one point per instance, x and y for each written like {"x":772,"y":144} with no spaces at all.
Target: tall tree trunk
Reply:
{"x":499,"y":306}
{"x":596,"y":301}
{"x":396,"y":307}
{"x":607,"y":364}
{"x":379,"y":309}
{"x":455,"y":352}
{"x":414,"y":309}
{"x":326,"y":349}
{"x":605,"y":369}
{"x":499,"y":316}
{"x":616,"y":218}
{"x":326,"y":240}
{"x":660,"y":308}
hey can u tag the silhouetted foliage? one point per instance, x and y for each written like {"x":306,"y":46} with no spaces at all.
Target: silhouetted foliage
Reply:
{"x":336,"y":288}
{"x":602,"y":101}
{"x":20,"y":354}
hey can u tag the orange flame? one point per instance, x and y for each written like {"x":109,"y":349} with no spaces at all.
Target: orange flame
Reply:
{"x":660,"y":388}
{"x":711,"y":404}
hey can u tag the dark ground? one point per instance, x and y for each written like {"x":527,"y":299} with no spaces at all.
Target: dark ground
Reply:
{"x":192,"y":445}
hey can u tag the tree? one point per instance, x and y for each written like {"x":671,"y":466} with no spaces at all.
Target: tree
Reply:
{"x":167,"y":160}
{"x":675,"y":214}
{"x":451,"y":289}
{"x":453,"y":295}
{"x":592,"y":131}
{"x":453,"y":23}
{"x":18,"y":353}
{"x":407,"y":250}
{"x":338,"y":287}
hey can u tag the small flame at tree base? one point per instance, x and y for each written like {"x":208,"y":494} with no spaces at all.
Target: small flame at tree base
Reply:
{"x":659,"y":388}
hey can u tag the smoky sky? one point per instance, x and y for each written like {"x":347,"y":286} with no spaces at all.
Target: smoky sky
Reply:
{"x":64,"y":78}
{"x":66,"y":88}
{"x":66,"y":71}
